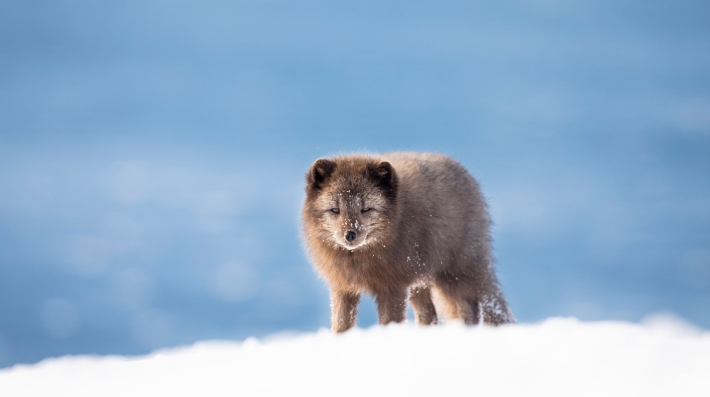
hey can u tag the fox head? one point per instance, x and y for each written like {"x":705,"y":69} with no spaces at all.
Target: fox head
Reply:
{"x":351,"y":202}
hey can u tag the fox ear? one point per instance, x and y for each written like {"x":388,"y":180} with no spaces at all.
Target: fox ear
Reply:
{"x":384,"y":176}
{"x":320,"y":171}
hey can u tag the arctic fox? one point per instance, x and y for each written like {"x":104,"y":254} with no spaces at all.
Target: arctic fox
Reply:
{"x":402,"y":226}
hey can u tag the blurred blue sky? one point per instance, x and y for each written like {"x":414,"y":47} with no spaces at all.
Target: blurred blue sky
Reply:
{"x":152,"y":156}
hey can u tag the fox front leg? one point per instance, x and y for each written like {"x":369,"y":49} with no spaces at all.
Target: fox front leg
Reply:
{"x":424,"y":310}
{"x":392,"y":307}
{"x":343,"y":306}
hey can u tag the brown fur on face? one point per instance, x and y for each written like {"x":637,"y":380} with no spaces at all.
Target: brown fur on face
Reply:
{"x":398,"y":226}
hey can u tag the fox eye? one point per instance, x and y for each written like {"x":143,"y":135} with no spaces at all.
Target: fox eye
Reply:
{"x":364,"y":210}
{"x":335,"y":210}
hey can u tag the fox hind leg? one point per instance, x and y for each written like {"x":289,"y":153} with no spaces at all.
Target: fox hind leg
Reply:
{"x":459,"y":298}
{"x":495,"y":310}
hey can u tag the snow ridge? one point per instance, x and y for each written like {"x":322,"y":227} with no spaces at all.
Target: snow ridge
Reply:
{"x":558,"y":357}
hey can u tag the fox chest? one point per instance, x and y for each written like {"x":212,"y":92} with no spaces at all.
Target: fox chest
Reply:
{"x":374,"y":272}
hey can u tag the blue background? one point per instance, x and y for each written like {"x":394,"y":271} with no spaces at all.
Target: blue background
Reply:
{"x":152,"y":156}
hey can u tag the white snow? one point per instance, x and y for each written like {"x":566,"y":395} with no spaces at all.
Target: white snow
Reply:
{"x":558,"y":357}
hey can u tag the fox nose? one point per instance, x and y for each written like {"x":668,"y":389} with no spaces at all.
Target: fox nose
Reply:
{"x":350,"y":236}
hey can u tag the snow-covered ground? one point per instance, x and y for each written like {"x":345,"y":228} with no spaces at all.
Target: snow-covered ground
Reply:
{"x":558,"y":357}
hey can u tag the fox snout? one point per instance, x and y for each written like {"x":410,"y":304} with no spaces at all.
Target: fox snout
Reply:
{"x":353,"y":235}
{"x":350,"y":236}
